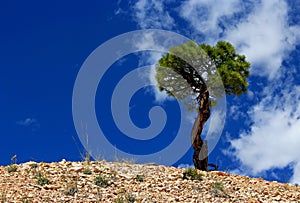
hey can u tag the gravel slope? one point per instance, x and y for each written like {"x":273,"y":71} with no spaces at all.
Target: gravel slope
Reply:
{"x":124,"y":182}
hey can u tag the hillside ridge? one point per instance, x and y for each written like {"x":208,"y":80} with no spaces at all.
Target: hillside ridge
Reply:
{"x":102,"y":181}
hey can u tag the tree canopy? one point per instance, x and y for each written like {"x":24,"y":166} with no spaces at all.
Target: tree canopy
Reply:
{"x":195,"y":65}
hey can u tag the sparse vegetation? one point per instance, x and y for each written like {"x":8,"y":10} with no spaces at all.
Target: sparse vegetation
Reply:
{"x":87,"y":171}
{"x":87,"y":158}
{"x":218,"y":186}
{"x":33,"y":169}
{"x":125,"y":160}
{"x":42,"y":180}
{"x":101,"y":182}
{"x":119,"y":200}
{"x":192,"y":174}
{"x":139,"y":178}
{"x":33,"y":165}
{"x":128,"y":197}
{"x":12,"y":168}
{"x":71,"y":189}
{"x":27,"y":200}
{"x":217,"y":189}
{"x":113,"y":175}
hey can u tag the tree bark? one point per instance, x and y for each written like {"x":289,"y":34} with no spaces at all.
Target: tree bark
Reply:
{"x":200,"y":156}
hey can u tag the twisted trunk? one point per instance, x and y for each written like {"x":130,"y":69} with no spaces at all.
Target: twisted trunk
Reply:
{"x":200,"y":157}
{"x":196,"y":82}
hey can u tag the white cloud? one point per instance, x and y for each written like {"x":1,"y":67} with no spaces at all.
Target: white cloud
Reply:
{"x":265,"y":37}
{"x":30,"y":123}
{"x":27,"y":122}
{"x":204,"y":16}
{"x":119,"y":9}
{"x":296,"y":176}
{"x":274,"y":138}
{"x":148,"y":42}
{"x":235,"y":112}
{"x":149,"y":76}
{"x":159,"y":95}
{"x":250,"y":94}
{"x":152,"y":14}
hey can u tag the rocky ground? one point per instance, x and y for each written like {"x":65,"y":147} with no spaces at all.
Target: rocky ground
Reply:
{"x":103,"y":181}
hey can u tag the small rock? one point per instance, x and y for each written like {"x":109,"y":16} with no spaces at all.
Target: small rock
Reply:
{"x":77,"y":169}
{"x":277,"y":198}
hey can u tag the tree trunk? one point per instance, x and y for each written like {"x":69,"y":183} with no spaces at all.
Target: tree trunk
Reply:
{"x":200,"y":157}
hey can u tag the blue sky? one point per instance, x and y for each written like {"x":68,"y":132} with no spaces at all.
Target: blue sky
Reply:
{"x":43,"y":46}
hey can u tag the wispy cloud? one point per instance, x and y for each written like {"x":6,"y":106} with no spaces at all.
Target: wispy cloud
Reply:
{"x":148,"y":42}
{"x":119,"y":10}
{"x":152,"y":14}
{"x":150,"y":76}
{"x":265,"y":36}
{"x":31,"y":123}
{"x":274,"y":139}
{"x":207,"y":17}
{"x":27,"y":122}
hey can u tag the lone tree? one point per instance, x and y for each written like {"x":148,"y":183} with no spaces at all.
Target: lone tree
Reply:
{"x":193,"y":69}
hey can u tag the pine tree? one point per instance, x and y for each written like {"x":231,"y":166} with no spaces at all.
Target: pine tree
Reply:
{"x":194,"y":69}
